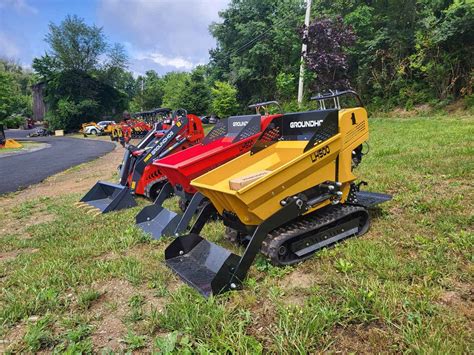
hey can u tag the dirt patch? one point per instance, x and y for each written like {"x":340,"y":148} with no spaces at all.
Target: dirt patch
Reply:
{"x":298,"y":279}
{"x":12,"y":339}
{"x":139,"y":250}
{"x":295,"y":298}
{"x":112,"y":308}
{"x":109,"y":334}
{"x":151,"y":301}
{"x":362,"y":339}
{"x":19,"y":226}
{"x":77,"y":179}
{"x":10,"y":255}
{"x":294,"y":286}
{"x":263,"y":321}
{"x":461,"y":299}
{"x":108,"y":256}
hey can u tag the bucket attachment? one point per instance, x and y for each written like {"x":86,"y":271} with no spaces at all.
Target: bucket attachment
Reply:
{"x":203,"y":265}
{"x":159,"y":221}
{"x":370,"y":199}
{"x":212,"y":269}
{"x":108,"y":197}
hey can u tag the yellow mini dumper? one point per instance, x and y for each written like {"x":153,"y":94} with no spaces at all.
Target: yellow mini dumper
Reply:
{"x":297,"y":194}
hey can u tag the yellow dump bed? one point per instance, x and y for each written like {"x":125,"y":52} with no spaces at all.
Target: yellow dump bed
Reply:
{"x":300,"y":151}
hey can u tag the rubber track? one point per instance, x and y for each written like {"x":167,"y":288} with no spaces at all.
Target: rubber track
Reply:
{"x":313,"y":222}
{"x":150,"y":185}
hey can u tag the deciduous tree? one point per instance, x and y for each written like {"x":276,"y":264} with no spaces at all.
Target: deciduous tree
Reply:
{"x":327,"y":40}
{"x":224,"y":99}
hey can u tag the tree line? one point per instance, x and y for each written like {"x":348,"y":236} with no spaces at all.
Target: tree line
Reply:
{"x":395,"y":53}
{"x":15,"y":93}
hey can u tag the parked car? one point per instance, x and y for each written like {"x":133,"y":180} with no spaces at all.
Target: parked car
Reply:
{"x":104,"y":124}
{"x":95,"y":130}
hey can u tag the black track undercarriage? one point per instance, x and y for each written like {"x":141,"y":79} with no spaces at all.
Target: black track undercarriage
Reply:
{"x":300,"y":239}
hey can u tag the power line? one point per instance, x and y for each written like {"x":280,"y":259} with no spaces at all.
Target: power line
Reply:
{"x":260,"y":36}
{"x":249,"y":43}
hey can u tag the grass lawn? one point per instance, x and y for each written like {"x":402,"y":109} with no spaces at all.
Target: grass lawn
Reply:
{"x":72,"y":282}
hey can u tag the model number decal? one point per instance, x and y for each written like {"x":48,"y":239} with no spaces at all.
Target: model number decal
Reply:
{"x":320,"y":153}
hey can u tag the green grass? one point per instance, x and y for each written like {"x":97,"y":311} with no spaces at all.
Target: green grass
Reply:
{"x":403,"y":287}
{"x":207,"y":128}
{"x":90,"y":136}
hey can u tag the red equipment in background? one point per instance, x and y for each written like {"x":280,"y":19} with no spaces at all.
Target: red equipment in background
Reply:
{"x":152,"y":179}
{"x":227,"y":140}
{"x":140,"y":123}
{"x":136,"y":175}
{"x":133,"y":128}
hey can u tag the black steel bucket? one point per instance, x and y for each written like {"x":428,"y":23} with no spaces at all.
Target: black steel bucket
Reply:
{"x":157,"y":221}
{"x":108,"y":197}
{"x":205,"y":266}
{"x":370,"y":199}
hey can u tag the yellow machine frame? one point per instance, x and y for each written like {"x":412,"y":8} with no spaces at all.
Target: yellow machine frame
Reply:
{"x":291,"y":171}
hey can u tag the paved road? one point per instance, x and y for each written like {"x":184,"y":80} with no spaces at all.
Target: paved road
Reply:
{"x":24,"y":169}
{"x":18,"y":133}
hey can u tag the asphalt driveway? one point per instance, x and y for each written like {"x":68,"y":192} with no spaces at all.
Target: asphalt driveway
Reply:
{"x":18,"y":133}
{"x":23,"y":169}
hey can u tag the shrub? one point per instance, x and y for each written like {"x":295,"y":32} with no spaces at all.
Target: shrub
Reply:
{"x":13,"y":121}
{"x":224,"y":99}
{"x":69,"y":115}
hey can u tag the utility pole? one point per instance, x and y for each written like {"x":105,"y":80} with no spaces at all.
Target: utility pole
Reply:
{"x":303,"y":50}
{"x":143,"y":80}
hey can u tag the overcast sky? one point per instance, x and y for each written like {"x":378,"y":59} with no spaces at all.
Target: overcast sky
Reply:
{"x":163,"y":35}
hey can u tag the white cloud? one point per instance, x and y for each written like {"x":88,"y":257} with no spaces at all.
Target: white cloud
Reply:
{"x":20,"y":6}
{"x":8,"y":48}
{"x":169,"y":33}
{"x":162,"y":60}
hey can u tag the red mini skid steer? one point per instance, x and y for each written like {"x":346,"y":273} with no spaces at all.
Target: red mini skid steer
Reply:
{"x":140,"y":124}
{"x":230,"y":138}
{"x":136,"y":171}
